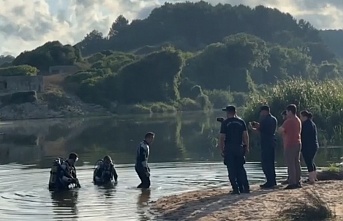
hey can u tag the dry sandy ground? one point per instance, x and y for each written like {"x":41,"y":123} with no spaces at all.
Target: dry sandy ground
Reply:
{"x":217,"y":204}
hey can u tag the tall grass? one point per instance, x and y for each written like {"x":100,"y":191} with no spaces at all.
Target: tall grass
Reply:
{"x":323,"y":99}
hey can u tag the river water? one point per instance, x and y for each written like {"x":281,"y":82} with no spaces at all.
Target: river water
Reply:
{"x":183,"y":158}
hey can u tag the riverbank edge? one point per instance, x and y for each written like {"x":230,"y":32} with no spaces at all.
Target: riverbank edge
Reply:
{"x":212,"y":204}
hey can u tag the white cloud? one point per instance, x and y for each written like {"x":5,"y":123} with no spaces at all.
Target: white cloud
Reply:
{"x":24,"y":24}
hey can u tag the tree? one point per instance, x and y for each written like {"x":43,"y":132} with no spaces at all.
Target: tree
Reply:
{"x":120,"y":24}
{"x":50,"y":54}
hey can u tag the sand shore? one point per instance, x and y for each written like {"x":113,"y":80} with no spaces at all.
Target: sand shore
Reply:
{"x":217,"y":204}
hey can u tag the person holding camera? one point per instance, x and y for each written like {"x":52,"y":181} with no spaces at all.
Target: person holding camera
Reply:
{"x":267,"y":129}
{"x":234,"y":144}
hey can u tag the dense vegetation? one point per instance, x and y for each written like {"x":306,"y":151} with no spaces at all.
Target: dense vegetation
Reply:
{"x":334,"y":40}
{"x":324,"y":99}
{"x":21,"y":70}
{"x":49,"y":54}
{"x":192,"y":26}
{"x":195,"y":56}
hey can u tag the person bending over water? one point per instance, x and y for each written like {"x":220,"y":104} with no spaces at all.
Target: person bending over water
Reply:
{"x":234,"y":144}
{"x":309,"y":141}
{"x":105,"y":172}
{"x":141,"y":166}
{"x":63,"y":174}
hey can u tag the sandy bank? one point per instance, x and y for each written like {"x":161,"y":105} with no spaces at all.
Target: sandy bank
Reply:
{"x":217,"y":204}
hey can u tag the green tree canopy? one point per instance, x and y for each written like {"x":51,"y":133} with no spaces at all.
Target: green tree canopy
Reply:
{"x":49,"y":54}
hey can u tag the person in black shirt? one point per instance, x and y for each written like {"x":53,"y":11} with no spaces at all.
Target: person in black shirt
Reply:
{"x":267,"y":128}
{"x":234,"y":144}
{"x":141,"y":166}
{"x":309,"y":141}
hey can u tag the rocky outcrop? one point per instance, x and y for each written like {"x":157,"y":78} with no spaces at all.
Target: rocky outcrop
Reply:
{"x":40,"y":109}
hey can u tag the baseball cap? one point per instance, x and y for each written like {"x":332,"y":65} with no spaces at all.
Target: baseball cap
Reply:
{"x":229,"y":108}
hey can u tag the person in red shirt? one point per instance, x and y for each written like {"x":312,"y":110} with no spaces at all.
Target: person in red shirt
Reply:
{"x":291,"y":133}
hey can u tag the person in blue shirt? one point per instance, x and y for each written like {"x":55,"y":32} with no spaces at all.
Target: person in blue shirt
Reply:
{"x":267,"y":129}
{"x":141,"y":166}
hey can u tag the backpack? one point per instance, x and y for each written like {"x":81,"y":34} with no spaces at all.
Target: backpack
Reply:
{"x":54,"y":172}
{"x":97,"y":166}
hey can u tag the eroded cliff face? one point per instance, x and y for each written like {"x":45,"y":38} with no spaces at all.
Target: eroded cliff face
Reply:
{"x":47,"y":106}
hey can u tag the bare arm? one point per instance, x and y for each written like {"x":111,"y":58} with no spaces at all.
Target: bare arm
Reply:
{"x":221,"y":142}
{"x":246,"y":140}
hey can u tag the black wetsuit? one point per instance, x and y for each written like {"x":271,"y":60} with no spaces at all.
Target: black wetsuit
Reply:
{"x":141,"y":165}
{"x":105,"y":173}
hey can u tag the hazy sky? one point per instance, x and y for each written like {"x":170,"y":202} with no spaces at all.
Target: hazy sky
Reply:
{"x":26,"y":24}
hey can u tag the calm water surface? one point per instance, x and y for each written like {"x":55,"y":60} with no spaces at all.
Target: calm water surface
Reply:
{"x":183,"y":158}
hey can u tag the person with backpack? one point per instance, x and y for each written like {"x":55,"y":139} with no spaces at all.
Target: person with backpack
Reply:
{"x":105,"y":172}
{"x":63,"y":174}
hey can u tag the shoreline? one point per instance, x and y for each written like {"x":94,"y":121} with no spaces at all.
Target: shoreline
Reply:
{"x":217,"y":204}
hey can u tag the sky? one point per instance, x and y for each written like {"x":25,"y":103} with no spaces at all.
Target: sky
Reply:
{"x":27,"y":24}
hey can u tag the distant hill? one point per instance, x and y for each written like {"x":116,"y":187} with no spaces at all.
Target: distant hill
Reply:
{"x":192,"y":26}
{"x":334,"y":40}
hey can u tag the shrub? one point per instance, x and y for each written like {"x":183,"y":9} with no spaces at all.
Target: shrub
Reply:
{"x":314,"y":208}
{"x":56,"y":100}
{"x":133,"y":109}
{"x":20,"y":70}
{"x":219,"y":98}
{"x":240,"y":98}
{"x":160,"y":107}
{"x":187,"y":104}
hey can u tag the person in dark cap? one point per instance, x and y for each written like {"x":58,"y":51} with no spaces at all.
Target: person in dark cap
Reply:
{"x":234,"y":144}
{"x":267,"y":129}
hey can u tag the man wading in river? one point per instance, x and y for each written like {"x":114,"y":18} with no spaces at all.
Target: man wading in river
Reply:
{"x":142,"y":168}
{"x":234,"y":144}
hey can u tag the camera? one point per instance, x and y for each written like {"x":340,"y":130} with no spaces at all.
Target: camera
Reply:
{"x":220,"y":119}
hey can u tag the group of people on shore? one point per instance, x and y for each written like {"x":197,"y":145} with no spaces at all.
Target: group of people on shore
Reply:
{"x":299,"y":137}
{"x":63,"y":173}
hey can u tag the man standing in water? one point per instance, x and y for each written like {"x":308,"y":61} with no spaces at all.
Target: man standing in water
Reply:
{"x":291,"y":130}
{"x":141,"y":167}
{"x":267,"y":129}
{"x":234,"y":144}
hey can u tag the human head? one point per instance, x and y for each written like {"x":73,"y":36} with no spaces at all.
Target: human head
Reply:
{"x":230,"y":110}
{"x":284,"y":115}
{"x":149,"y":137}
{"x":291,"y":110}
{"x":264,"y":110}
{"x":73,"y":157}
{"x":304,"y":115}
{"x":107,"y":159}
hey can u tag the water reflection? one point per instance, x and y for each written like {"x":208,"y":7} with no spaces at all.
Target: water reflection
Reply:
{"x":142,"y":204}
{"x":65,"y":203}
{"x":183,"y":157}
{"x":187,"y":137}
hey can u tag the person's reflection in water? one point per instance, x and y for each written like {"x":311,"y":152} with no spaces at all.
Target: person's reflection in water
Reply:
{"x":142,"y":204}
{"x":109,"y":189}
{"x":62,"y":201}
